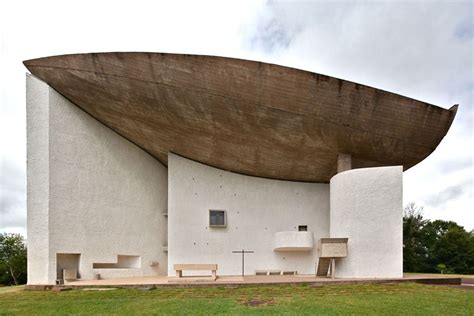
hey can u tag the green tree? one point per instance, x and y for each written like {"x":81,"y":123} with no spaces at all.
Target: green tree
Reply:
{"x":451,"y":245}
{"x":12,"y":259}
{"x":414,"y":252}
{"x":435,"y":246}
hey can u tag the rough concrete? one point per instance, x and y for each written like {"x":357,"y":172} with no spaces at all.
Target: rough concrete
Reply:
{"x":293,"y":241}
{"x":90,"y":192}
{"x":247,"y":117}
{"x":94,"y":193}
{"x":366,"y":207}
{"x":344,"y":162}
{"x":256,"y":209}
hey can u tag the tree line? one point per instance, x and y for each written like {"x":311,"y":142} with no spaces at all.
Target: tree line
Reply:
{"x":435,"y":246}
{"x":428,"y":247}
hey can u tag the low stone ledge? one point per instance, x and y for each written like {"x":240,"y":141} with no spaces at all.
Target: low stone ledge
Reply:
{"x":38,"y":287}
{"x":434,"y":281}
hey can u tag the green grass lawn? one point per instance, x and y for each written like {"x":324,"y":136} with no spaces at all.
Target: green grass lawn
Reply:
{"x":11,"y":289}
{"x":376,"y":299}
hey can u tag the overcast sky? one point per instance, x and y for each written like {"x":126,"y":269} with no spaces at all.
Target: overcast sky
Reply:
{"x":423,"y":50}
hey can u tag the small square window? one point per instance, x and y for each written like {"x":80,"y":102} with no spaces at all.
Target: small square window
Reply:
{"x":217,"y":218}
{"x":303,"y":228}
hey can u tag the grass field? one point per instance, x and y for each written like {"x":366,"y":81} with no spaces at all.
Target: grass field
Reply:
{"x":387,"y":299}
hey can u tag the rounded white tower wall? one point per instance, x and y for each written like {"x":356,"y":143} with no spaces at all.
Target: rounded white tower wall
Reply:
{"x":366,"y":207}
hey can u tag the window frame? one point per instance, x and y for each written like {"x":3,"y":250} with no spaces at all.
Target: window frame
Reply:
{"x":225,"y":218}
{"x":302,"y":228}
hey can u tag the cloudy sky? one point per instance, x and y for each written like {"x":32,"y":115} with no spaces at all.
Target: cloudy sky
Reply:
{"x":423,"y":50}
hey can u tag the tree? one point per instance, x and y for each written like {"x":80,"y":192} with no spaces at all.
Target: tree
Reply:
{"x":432,"y":246}
{"x":12,"y":259}
{"x":450,"y":245}
{"x":414,"y":252}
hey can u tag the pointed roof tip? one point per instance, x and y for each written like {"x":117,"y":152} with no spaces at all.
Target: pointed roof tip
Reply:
{"x":38,"y":61}
{"x":29,"y":62}
{"x":454,"y":108}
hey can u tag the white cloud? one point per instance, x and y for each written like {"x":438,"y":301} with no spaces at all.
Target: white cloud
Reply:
{"x":418,"y":49}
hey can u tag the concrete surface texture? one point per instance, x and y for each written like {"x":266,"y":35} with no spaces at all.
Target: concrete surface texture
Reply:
{"x":162,"y":281}
{"x":90,"y":192}
{"x":293,"y":241}
{"x":366,"y":207}
{"x":247,"y":117}
{"x":256,"y":208}
{"x":127,"y":190}
{"x":37,"y":121}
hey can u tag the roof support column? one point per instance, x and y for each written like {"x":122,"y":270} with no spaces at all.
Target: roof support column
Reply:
{"x":344,"y":162}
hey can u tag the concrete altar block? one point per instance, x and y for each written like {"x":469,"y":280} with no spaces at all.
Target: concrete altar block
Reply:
{"x":70,"y":274}
{"x":333,"y":247}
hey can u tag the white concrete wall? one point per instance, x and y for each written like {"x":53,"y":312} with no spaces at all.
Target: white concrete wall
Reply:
{"x":90,"y":191}
{"x":366,"y":207}
{"x":256,"y":208}
{"x":37,"y":120}
{"x":94,"y":193}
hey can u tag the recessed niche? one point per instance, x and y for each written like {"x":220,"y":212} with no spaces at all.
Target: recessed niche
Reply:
{"x":123,"y":262}
{"x":67,"y":261}
{"x":303,"y":228}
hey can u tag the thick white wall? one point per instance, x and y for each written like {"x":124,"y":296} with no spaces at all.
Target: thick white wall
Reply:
{"x":37,"y":120}
{"x":256,"y":208}
{"x":366,"y":207}
{"x":90,"y":191}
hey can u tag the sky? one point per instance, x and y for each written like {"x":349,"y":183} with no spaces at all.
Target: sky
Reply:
{"x":420,"y":49}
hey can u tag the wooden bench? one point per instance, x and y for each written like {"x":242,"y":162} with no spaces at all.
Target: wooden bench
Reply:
{"x":195,"y":267}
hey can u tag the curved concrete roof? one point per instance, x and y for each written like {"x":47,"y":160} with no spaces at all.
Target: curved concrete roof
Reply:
{"x":243,"y":116}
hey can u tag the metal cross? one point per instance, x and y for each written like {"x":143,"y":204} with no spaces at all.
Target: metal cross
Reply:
{"x":243,"y":252}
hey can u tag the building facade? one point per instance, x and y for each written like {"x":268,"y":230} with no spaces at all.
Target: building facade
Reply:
{"x":133,"y":166}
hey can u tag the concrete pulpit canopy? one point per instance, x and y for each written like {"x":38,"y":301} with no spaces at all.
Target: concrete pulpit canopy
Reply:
{"x":244,"y":116}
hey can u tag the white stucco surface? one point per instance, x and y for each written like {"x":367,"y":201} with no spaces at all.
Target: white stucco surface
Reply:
{"x":90,"y":192}
{"x":96,"y":198}
{"x":37,"y":120}
{"x":366,"y":207}
{"x":256,"y":208}
{"x":293,"y":240}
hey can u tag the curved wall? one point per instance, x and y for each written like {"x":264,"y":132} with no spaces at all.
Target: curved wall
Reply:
{"x":366,"y":207}
{"x":90,"y":192}
{"x":257,"y":208}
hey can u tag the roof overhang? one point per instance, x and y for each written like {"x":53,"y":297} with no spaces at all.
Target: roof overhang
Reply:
{"x":244,"y":116}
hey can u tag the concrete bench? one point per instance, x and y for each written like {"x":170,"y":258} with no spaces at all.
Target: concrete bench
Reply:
{"x":69,"y":274}
{"x":195,"y":267}
{"x":267,"y":272}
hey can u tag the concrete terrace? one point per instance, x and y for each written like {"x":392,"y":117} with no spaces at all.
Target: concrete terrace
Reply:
{"x":198,"y":281}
